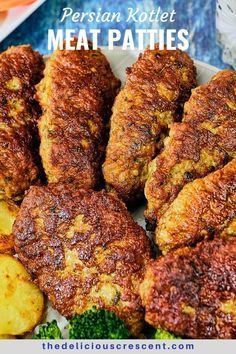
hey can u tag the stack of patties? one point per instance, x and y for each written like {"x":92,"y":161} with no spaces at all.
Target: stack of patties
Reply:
{"x":79,"y":242}
{"x":82,"y":246}
{"x":192,"y":290}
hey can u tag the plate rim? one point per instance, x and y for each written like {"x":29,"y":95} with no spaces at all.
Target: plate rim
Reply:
{"x":197,"y":62}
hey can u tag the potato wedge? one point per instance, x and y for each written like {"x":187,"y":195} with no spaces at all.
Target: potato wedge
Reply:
{"x":8,"y":212}
{"x":21,"y":302}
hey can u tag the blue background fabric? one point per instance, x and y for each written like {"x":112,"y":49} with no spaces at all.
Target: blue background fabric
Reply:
{"x":197,"y":16}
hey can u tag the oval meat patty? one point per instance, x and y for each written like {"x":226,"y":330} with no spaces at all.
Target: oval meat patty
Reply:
{"x":192,"y":291}
{"x":84,"y":249}
{"x":76,"y":95}
{"x":156,"y":88}
{"x":20,"y":69}
{"x":205,"y":141}
{"x":202,"y":208}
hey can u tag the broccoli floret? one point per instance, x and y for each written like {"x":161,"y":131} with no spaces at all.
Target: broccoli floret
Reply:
{"x":97,"y":324}
{"x":49,"y":331}
{"x":162,"y":334}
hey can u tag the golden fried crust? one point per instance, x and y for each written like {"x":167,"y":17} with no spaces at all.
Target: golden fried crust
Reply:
{"x":202,"y":143}
{"x":192,"y":291}
{"x":203,"y":207}
{"x":156,"y":88}
{"x":84,"y":249}
{"x":20,"y":69}
{"x":189,"y":153}
{"x":213,"y":107}
{"x":76,"y":95}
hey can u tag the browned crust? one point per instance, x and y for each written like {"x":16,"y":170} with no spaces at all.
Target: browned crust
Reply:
{"x":9,"y":210}
{"x":156,"y":87}
{"x":18,"y":119}
{"x":192,"y":291}
{"x":189,"y":153}
{"x":76,"y":95}
{"x":205,"y":141}
{"x":6,"y":244}
{"x":203,"y":207}
{"x":98,"y":262}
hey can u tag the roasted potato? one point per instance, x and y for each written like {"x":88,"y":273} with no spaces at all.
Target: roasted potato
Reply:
{"x":8,"y":212}
{"x":21,"y":302}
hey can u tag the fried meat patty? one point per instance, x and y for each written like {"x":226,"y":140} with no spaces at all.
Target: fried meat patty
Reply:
{"x":156,"y":87}
{"x":84,"y":249}
{"x":76,"y":95}
{"x":20,"y":69}
{"x":203,"y":142}
{"x":192,"y":291}
{"x":202,"y":208}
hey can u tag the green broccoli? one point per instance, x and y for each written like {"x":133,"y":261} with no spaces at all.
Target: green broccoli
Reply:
{"x":162,"y":334}
{"x":97,"y":324}
{"x":49,"y":331}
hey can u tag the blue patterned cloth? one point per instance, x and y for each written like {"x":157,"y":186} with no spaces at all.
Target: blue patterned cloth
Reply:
{"x":198,"y":16}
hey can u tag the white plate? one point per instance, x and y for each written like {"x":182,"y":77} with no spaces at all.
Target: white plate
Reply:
{"x":15,"y":16}
{"x":119,"y":61}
